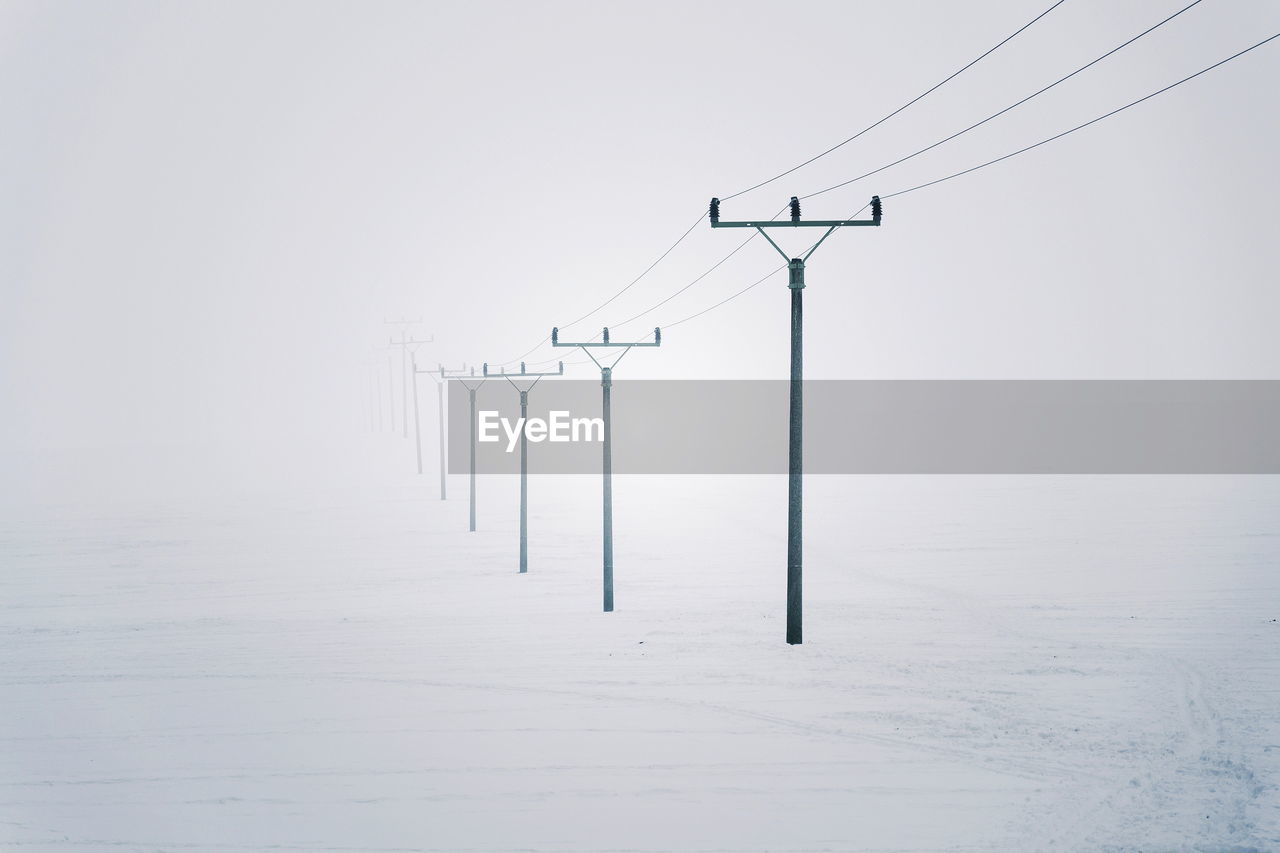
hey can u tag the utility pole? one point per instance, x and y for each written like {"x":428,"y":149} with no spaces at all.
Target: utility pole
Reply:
{"x":471,"y":392}
{"x":524,"y":452}
{"x":444,"y":374}
{"x":410,"y":345}
{"x":417,"y":430}
{"x":405,"y":343}
{"x":387,"y":414}
{"x":795,"y":464}
{"x":606,"y":382}
{"x":404,"y":325}
{"x":377,"y":386}
{"x":391,"y":397}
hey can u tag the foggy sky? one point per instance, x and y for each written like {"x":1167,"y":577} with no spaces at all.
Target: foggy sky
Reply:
{"x":209,"y":208}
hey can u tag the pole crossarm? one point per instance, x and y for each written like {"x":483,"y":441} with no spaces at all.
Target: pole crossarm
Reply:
{"x":795,"y":221}
{"x":440,"y":374}
{"x":450,"y":373}
{"x":523,"y":372}
{"x":605,"y":342}
{"x":808,"y":223}
{"x":410,"y":342}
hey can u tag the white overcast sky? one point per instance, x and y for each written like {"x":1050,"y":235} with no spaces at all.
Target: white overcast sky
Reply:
{"x":209,"y":208}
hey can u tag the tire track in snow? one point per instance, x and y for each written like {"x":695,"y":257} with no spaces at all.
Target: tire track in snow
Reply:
{"x":1034,"y":771}
{"x":1197,"y":749}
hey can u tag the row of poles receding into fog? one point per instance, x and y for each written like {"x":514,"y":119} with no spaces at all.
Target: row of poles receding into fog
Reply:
{"x":796,"y":283}
{"x":468,"y":378}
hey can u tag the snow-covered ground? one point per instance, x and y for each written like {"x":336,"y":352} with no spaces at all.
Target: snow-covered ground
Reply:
{"x":991,"y":663}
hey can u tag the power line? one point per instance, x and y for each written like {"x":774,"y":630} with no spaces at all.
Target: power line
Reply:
{"x":652,"y":308}
{"x":770,"y":275}
{"x":690,"y":284}
{"x":637,"y":278}
{"x":712,"y":269}
{"x":869,"y":127}
{"x":917,"y":98}
{"x":632,"y":283}
{"x":922,"y":150}
{"x":992,"y":162}
{"x":1087,"y":123}
{"x":1006,"y":109}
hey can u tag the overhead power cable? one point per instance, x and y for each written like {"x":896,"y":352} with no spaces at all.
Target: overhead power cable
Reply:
{"x":909,"y":103}
{"x":1087,"y":123}
{"x":869,"y":127}
{"x":629,"y":285}
{"x":768,"y":276}
{"x":709,"y":271}
{"x":635,"y":280}
{"x":713,"y":268}
{"x":1012,"y":106}
{"x":992,"y":162}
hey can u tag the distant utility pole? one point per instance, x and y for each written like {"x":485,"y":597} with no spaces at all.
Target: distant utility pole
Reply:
{"x":410,"y":345}
{"x":471,"y":392}
{"x":524,"y":451}
{"x":606,"y":382}
{"x":404,"y":365}
{"x":391,"y":397}
{"x":443,"y":374}
{"x":377,"y":387}
{"x":795,"y":467}
{"x":417,"y":430}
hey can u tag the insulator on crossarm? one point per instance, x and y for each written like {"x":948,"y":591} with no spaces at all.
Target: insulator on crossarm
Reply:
{"x":795,"y":209}
{"x":522,"y":367}
{"x":486,"y":369}
{"x":715,"y":211}
{"x":562,"y":368}
{"x":606,"y":334}
{"x":876,"y":209}
{"x":555,"y":336}
{"x":657,"y":335}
